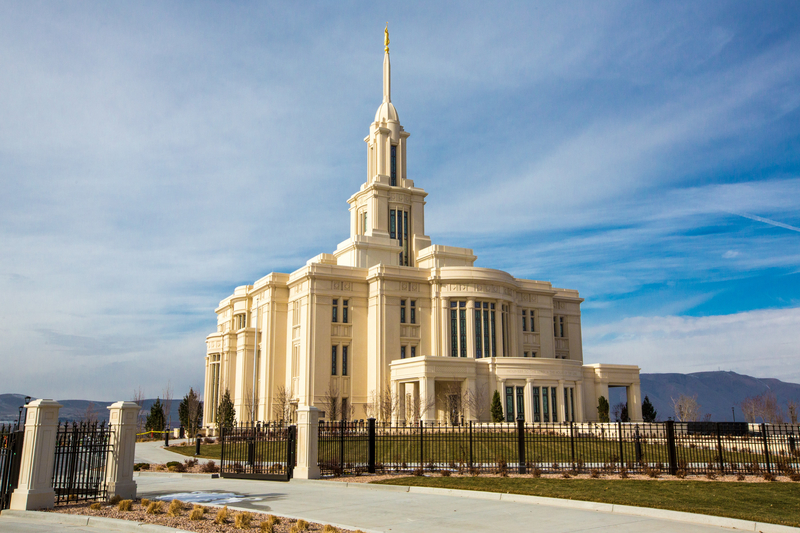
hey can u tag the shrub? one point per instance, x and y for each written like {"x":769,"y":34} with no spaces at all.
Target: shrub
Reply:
{"x":768,"y":476}
{"x":96,"y":506}
{"x":623,"y":473}
{"x":177,"y":468}
{"x":175,"y":508}
{"x":536,"y":472}
{"x":502,"y":467}
{"x":196,"y":514}
{"x":115,"y":499}
{"x":209,"y":440}
{"x":174,"y":463}
{"x":740,"y":477}
{"x":431,"y":467}
{"x":680,"y":473}
{"x":418,"y":471}
{"x":222,"y":516}
{"x":294,"y":529}
{"x":445,"y":473}
{"x":267,"y":527}
{"x":474,"y":471}
{"x":141,"y":466}
{"x":302,"y":525}
{"x":327,"y":528}
{"x":190,"y":463}
{"x":210,"y":467}
{"x":242,"y":520}
{"x":155,"y":508}
{"x":145,"y":502}
{"x":794,"y":476}
{"x":272,"y":519}
{"x":125,"y":505}
{"x":710,"y":474}
{"x":594,"y":474}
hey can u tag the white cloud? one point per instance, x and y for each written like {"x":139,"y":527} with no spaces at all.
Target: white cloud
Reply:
{"x":762,"y":343}
{"x":730,"y":254}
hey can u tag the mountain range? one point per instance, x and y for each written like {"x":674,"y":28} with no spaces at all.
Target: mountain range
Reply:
{"x":719,"y":394}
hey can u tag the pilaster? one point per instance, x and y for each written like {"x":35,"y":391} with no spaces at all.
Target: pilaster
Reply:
{"x":307,"y":443}
{"x":119,"y":462}
{"x":35,"y":488}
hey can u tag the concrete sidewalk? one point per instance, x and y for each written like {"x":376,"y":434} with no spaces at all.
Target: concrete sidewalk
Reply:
{"x":154,"y":452}
{"x":400,"y":509}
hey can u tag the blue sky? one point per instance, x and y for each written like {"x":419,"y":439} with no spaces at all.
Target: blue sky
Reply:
{"x":154,"y":156}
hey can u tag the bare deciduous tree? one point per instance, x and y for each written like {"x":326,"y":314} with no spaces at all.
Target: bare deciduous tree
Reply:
{"x":90,"y":415}
{"x":195,"y":411}
{"x":764,"y":406}
{"x":138,"y":399}
{"x":281,"y":404}
{"x":382,"y":404}
{"x":330,"y":399}
{"x":750,"y":408}
{"x":686,"y":408}
{"x":166,"y":401}
{"x":792,"y":408}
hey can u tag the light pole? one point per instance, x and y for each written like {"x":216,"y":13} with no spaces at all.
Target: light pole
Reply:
{"x":21,"y":408}
{"x":733,"y":411}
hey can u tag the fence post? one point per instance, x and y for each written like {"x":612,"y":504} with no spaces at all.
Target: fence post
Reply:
{"x":521,"y":444}
{"x":122,"y":418}
{"x":572,"y":440}
{"x":470,"y":443}
{"x":341,"y":446}
{"x":35,"y":488}
{"x":421,"y":445}
{"x":766,"y":446}
{"x":637,"y":445}
{"x":671,"y":449}
{"x":621,"y":452}
{"x":371,"y":446}
{"x":719,"y":451}
{"x":291,"y":437}
{"x":307,"y":443}
{"x":197,"y":444}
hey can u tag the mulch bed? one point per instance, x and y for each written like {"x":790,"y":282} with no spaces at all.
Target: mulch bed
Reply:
{"x":138,"y":514}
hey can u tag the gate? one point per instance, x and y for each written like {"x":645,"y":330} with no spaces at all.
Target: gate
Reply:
{"x":79,"y":472}
{"x":11,"y":438}
{"x":262,"y":451}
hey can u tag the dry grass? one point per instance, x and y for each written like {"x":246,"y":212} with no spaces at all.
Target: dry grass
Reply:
{"x":242,"y":520}
{"x":222,"y":516}
{"x":175,"y":508}
{"x":196,"y":514}
{"x":329,"y":529}
{"x":155,"y":508}
{"x":145,"y":502}
{"x":125,"y":505}
{"x":302,"y":525}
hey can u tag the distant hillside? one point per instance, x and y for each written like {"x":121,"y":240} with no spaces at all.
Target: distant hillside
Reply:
{"x":74,"y":409}
{"x":716,"y":392}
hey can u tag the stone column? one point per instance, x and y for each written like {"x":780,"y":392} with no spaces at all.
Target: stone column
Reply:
{"x":35,"y":489}
{"x":634,"y":402}
{"x":502,"y":385}
{"x":399,"y":412}
{"x":579,"y":402}
{"x":562,"y":409}
{"x":471,"y":328}
{"x":528,"y":395}
{"x":307,"y":443}
{"x":427,"y":398}
{"x":119,"y":462}
{"x":498,"y":327}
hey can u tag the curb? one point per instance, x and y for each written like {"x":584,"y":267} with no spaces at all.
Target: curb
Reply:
{"x":175,"y":475}
{"x":645,"y":512}
{"x":100,"y":522}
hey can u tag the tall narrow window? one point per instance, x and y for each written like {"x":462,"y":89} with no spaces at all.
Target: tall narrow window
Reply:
{"x":509,"y":404}
{"x":402,"y":352}
{"x":392,"y":224}
{"x":393,"y":165}
{"x":333,"y":360}
{"x":486,"y":339}
{"x":504,"y":325}
{"x":405,"y":237}
{"x":524,"y":320}
{"x":462,"y":326}
{"x":572,"y":403}
{"x":520,"y":403}
{"x":335,"y":311}
{"x":453,"y":329}
{"x":478,"y":337}
{"x":533,"y":328}
{"x":561,"y":326}
{"x":494,"y":344}
{"x":402,"y":311}
{"x":554,"y":394}
{"x":545,"y":406}
{"x":345,"y":408}
{"x":566,"y":404}
{"x":413,"y":351}
{"x":413,"y":311}
{"x":555,"y":326}
{"x":344,"y":311}
{"x":344,"y":360}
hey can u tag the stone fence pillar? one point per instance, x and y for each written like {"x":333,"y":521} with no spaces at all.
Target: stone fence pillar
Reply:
{"x":119,"y":462}
{"x":35,"y":488}
{"x":307,"y":443}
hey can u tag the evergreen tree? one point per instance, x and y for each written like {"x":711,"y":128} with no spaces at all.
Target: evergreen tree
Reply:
{"x":226,"y":415}
{"x":156,"y":419}
{"x":497,"y":408}
{"x":649,"y":413}
{"x":602,"y":409}
{"x":190,"y":412}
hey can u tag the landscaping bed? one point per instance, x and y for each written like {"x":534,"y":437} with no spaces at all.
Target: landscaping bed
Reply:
{"x":181,"y":520}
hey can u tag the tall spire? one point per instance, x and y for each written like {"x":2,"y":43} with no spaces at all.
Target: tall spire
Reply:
{"x":387,"y":68}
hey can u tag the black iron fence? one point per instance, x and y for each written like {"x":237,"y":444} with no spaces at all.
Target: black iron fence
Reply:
{"x":79,"y":472}
{"x":11,"y":437}
{"x":669,"y":447}
{"x":265,"y":450}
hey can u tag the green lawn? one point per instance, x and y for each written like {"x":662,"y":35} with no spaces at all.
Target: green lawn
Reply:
{"x":207,"y":451}
{"x":275,"y":452}
{"x":777,"y":503}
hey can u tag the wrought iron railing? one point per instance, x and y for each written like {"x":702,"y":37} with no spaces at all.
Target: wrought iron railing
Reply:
{"x":79,"y":472}
{"x":265,"y":450}
{"x":670,"y":447}
{"x":11,"y":437}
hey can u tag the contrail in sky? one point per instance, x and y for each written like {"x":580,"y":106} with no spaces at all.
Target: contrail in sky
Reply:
{"x":766,"y":221}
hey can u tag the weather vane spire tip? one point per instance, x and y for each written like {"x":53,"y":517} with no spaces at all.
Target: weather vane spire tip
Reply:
{"x":386,"y":39}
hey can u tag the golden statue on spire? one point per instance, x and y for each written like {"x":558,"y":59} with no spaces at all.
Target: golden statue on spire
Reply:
{"x":386,"y":40}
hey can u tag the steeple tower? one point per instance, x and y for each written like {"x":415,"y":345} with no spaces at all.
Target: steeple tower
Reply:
{"x":387,"y":223}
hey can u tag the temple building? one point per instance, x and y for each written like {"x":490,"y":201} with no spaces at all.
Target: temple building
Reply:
{"x":393,"y":326}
